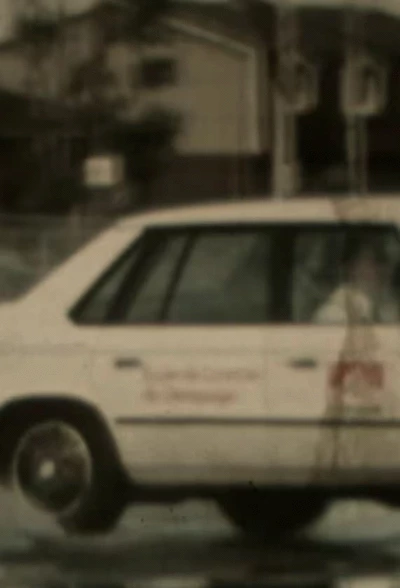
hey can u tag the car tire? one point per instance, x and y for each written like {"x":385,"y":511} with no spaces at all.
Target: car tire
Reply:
{"x":68,"y":470}
{"x":266,"y":514}
{"x":389,"y":498}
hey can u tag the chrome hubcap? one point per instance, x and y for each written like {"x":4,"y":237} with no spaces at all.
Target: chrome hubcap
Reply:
{"x":53,"y":467}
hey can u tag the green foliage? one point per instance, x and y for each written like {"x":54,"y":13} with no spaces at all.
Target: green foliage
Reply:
{"x":92,"y":79}
{"x":37,"y":34}
{"x":148,"y":146}
{"x":138,"y":21}
{"x":38,"y":30}
{"x":144,"y":24}
{"x":146,"y":143}
{"x":56,"y":195}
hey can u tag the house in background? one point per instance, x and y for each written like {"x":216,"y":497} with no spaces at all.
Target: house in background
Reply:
{"x":222,"y":92}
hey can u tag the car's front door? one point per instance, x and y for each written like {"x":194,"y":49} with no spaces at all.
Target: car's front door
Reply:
{"x":337,"y":395}
{"x":178,"y":358}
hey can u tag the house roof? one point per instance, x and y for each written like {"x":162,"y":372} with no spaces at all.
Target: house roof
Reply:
{"x":322,"y":24}
{"x":391,"y":7}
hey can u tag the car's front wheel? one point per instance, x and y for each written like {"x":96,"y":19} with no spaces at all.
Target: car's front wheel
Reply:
{"x":66,"y":471}
{"x":270,"y":514}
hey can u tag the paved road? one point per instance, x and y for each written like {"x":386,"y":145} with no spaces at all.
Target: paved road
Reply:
{"x":358,"y":521}
{"x":187,"y":542}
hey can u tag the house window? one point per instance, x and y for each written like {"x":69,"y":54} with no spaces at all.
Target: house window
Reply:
{"x":157,"y":71}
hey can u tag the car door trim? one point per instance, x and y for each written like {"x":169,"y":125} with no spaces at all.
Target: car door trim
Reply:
{"x":240,"y":421}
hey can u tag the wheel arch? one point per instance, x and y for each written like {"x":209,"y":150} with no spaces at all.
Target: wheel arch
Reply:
{"x":17,"y":413}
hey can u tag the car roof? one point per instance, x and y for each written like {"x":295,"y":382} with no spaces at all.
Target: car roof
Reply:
{"x":313,"y":209}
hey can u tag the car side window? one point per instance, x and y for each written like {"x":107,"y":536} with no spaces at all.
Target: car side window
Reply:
{"x":316,"y":271}
{"x":346,"y":274}
{"x":144,"y":297}
{"x":199,"y":276}
{"x":96,"y":305}
{"x":225,"y":279}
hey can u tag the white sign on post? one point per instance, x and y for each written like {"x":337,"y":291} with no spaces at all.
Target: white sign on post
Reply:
{"x":302,"y":95}
{"x":103,"y":171}
{"x":363,"y":87}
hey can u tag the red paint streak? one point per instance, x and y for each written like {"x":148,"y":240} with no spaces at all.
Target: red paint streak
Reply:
{"x":369,"y":371}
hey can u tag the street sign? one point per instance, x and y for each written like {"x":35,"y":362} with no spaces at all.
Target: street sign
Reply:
{"x":363,"y":87}
{"x":103,"y":171}
{"x":301,"y":92}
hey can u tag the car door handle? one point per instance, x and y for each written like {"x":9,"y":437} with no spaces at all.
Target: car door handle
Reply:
{"x":303,"y":363}
{"x":127,"y":363}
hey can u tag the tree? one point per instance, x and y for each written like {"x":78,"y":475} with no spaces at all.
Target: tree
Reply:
{"x":38,"y":31}
{"x":92,"y":89}
{"x":148,"y":146}
{"x":146,"y":142}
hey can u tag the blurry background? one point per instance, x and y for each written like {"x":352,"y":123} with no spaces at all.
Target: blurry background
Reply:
{"x":112,"y":106}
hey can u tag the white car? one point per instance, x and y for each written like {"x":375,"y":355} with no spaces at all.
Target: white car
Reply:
{"x":197,"y":352}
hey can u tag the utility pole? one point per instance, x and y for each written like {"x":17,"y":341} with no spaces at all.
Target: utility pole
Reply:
{"x":356,"y":124}
{"x":284,"y":121}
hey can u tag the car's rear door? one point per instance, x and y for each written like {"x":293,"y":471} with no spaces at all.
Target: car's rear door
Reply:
{"x":335,"y":398}
{"x":178,"y":358}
